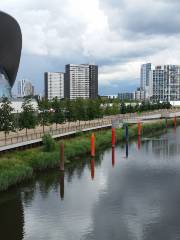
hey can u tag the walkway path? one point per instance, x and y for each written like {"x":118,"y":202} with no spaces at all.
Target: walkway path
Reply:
{"x":20,"y":139}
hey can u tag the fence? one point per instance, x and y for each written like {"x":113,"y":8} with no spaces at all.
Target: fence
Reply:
{"x":19,"y":138}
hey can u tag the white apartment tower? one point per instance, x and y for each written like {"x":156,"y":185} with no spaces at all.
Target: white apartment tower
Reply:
{"x":145,"y":70}
{"x":81,"y":81}
{"x":165,"y":83}
{"x":25,"y":88}
{"x":54,"y":85}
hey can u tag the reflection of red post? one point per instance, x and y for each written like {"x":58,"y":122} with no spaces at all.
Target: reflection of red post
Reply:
{"x":92,"y":168}
{"x":175,"y":121}
{"x":62,"y":157}
{"x":62,"y":185}
{"x":139,"y":142}
{"x":139,"y":129}
{"x":113,"y":137}
{"x":92,"y":145}
{"x":113,"y":156}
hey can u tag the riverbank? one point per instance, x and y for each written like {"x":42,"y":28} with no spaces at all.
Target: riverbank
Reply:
{"x":18,"y":166}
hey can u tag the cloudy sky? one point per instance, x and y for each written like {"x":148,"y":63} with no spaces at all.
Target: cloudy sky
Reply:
{"x":118,"y":35}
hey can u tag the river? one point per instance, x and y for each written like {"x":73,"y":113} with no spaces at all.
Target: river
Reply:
{"x":131,"y":193}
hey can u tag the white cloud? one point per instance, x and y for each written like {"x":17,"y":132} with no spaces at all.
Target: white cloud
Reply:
{"x":118,"y":35}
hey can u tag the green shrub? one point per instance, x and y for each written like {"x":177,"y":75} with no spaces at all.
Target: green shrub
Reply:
{"x":48,"y":143}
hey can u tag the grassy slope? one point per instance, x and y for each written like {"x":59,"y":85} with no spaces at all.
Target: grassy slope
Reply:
{"x":18,"y":166}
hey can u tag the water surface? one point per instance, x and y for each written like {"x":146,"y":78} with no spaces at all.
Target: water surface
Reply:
{"x":113,"y":196}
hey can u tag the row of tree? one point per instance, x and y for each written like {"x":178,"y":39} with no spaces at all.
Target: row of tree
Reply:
{"x":60,"y":111}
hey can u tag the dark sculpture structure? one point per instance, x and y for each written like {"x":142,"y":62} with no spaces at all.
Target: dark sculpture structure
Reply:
{"x":10,"y":52}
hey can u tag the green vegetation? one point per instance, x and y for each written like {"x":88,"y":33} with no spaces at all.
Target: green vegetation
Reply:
{"x":48,"y":143}
{"x":7,"y":122}
{"x":18,"y":166}
{"x":27,"y":118}
{"x":64,"y":110}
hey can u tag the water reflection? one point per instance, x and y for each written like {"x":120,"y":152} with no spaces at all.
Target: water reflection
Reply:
{"x":113,"y":156}
{"x":139,"y":142}
{"x":62,"y":185}
{"x":139,"y":199}
{"x":127,"y":149}
{"x":92,"y":169}
{"x":11,"y":217}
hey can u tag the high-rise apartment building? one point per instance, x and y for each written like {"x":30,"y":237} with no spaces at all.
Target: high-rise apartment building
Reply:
{"x":54,"y":85}
{"x":25,"y":88}
{"x":145,"y":79}
{"x":145,"y":70}
{"x":81,"y":81}
{"x":165,"y":83}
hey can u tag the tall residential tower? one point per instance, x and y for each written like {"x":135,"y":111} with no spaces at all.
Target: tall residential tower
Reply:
{"x":81,"y":81}
{"x":54,"y":85}
{"x":165,"y":83}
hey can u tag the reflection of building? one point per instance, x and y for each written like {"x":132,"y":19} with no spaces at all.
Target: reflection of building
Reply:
{"x":54,"y":85}
{"x":81,"y":81}
{"x":163,"y":148}
{"x":10,"y":51}
{"x":25,"y":88}
{"x":11,"y":218}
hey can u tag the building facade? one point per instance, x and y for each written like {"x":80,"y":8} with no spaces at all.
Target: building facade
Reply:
{"x":126,"y":96}
{"x":145,"y":75}
{"x":165,"y":83}
{"x":54,"y":85}
{"x":81,"y":81}
{"x":10,"y":52}
{"x":25,"y":88}
{"x":139,"y":95}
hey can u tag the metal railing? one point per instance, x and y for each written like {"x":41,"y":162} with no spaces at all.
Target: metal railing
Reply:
{"x":63,"y":130}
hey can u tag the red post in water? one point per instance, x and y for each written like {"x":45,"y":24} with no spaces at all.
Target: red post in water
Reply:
{"x":62,"y":157}
{"x":113,"y":156}
{"x":139,"y":129}
{"x":175,"y":121}
{"x":92,"y":168}
{"x":92,"y":145}
{"x":113,"y":137}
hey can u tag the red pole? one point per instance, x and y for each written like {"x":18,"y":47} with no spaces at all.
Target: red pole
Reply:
{"x":139,"y":129}
{"x":175,"y":121}
{"x":62,"y":156}
{"x":92,"y":145}
{"x":92,"y":169}
{"x":113,"y":137}
{"x":113,"y":156}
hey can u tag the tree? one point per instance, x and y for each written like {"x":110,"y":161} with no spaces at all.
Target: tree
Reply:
{"x":123,"y":108}
{"x":44,"y":115}
{"x":27,"y":118}
{"x":58,"y":114}
{"x":7,"y":122}
{"x":70,"y":110}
